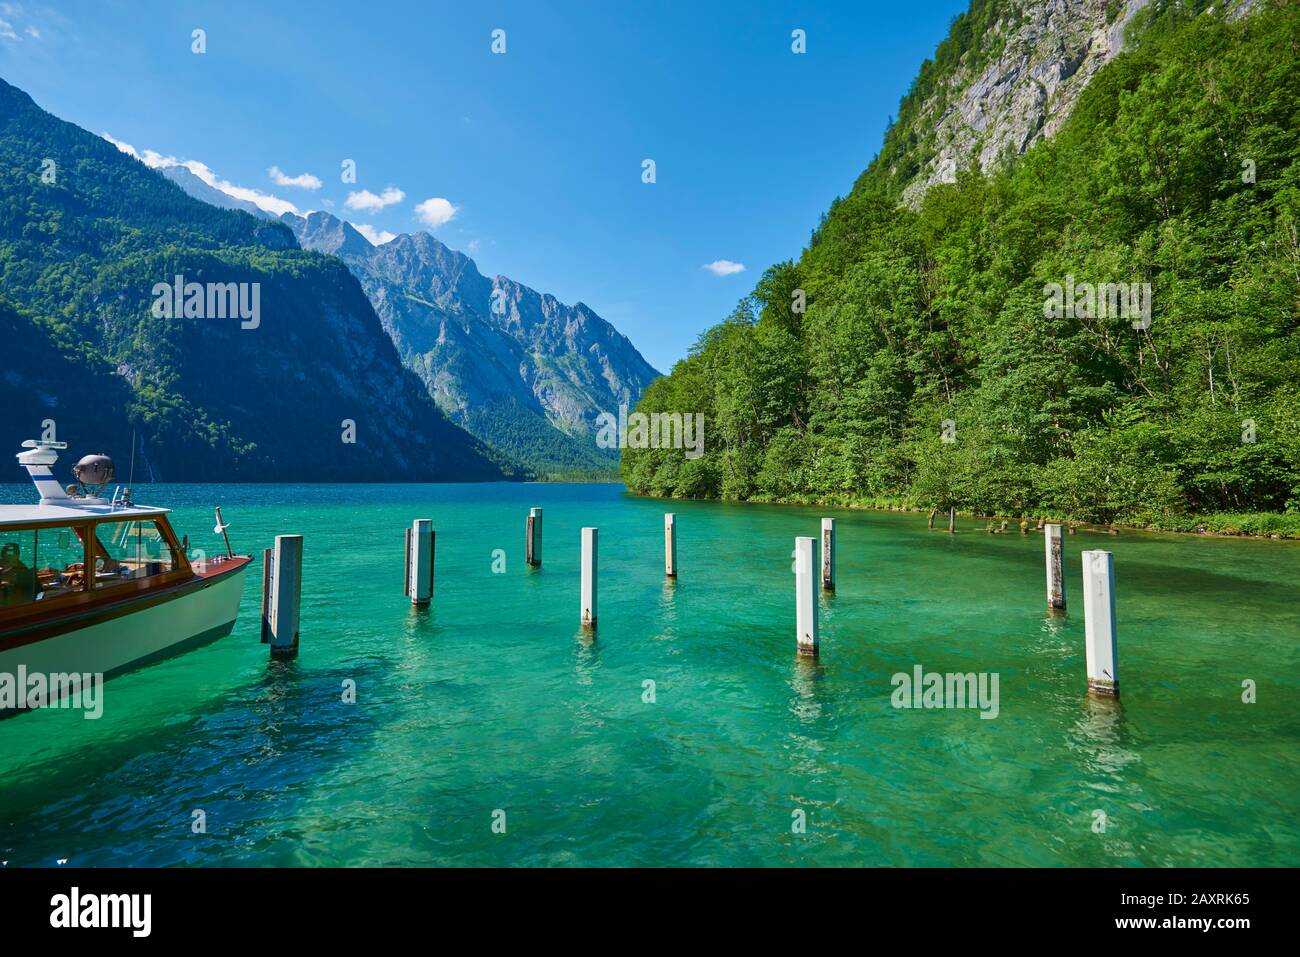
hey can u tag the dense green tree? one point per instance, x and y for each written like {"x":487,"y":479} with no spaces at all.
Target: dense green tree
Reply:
{"x":1178,"y":168}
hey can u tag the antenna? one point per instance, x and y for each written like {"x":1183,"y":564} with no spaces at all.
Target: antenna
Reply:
{"x":130,"y":479}
{"x":221,"y":527}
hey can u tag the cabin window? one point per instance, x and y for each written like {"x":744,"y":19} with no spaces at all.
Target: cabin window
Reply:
{"x":130,"y":550}
{"x":40,"y":564}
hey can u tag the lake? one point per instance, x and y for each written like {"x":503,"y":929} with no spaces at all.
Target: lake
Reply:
{"x":494,"y":700}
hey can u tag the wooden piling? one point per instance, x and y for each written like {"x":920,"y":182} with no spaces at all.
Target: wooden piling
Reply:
{"x":1102,"y":650}
{"x":670,"y":545}
{"x":805,"y":597}
{"x":1055,"y":554}
{"x":588,"y":595}
{"x":533,"y":538}
{"x":828,"y":554}
{"x":419,"y":561}
{"x":268,"y":562}
{"x":285,"y":590}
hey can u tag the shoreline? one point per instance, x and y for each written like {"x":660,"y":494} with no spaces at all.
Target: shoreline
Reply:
{"x":1204,"y":523}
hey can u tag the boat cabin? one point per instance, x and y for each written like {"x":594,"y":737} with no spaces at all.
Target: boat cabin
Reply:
{"x":57,"y":556}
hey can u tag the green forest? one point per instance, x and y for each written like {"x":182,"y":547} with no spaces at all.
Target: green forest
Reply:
{"x":927,"y":369}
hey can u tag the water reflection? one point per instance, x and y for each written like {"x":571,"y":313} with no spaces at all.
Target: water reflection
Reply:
{"x":1053,"y":636}
{"x":586,"y":655}
{"x":805,"y":676}
{"x":1100,"y":733}
{"x":668,"y":610}
{"x":418,"y":620}
{"x":806,"y":746}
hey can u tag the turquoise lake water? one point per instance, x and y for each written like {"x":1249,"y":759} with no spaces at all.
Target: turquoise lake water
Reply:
{"x":494,"y":699}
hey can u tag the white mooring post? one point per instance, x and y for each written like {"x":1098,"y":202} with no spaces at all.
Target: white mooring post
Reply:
{"x":533,"y":538}
{"x":589,"y":537}
{"x":670,"y":545}
{"x":419,"y":561}
{"x":805,"y":596}
{"x":1099,"y":622}
{"x":828,"y":554}
{"x":282,"y":584}
{"x":1055,"y":554}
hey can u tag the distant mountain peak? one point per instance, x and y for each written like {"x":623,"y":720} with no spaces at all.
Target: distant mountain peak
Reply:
{"x":519,"y":368}
{"x":327,"y":233}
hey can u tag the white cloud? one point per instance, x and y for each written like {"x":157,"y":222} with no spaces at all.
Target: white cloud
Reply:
{"x":15,"y":14}
{"x":305,"y":180}
{"x":126,"y":148}
{"x":368,"y":200}
{"x":724,"y":267}
{"x":155,"y":160}
{"x":377,"y":237}
{"x":436,"y":212}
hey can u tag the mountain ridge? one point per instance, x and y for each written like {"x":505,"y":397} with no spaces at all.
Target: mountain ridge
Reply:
{"x":518,"y":368}
{"x":82,"y":254}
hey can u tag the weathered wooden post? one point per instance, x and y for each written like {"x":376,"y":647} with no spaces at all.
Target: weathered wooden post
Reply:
{"x":1055,"y":554}
{"x":952,"y":520}
{"x":828,"y":554}
{"x":282,"y":583}
{"x":419,"y":561}
{"x":589,"y":541}
{"x":533,"y":538}
{"x":1099,"y":622}
{"x":268,"y":562}
{"x":805,"y":597}
{"x":670,"y":544}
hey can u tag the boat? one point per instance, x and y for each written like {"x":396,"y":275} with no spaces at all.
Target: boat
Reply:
{"x":96,"y":586}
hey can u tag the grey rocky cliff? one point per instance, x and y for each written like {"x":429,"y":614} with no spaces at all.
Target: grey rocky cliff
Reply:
{"x":518,"y":368}
{"x":1051,"y":51}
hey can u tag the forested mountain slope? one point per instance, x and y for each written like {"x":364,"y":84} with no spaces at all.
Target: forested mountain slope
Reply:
{"x":87,"y":234}
{"x":1179,"y":167}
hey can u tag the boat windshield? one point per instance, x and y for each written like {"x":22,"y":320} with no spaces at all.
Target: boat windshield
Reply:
{"x":130,"y":550}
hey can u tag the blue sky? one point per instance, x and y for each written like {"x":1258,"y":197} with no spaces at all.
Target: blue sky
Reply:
{"x":538,"y":151}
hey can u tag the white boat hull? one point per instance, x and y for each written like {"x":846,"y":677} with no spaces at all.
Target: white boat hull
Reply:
{"x":137,"y":638}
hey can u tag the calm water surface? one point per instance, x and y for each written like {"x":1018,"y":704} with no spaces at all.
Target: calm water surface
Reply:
{"x":493,"y":699}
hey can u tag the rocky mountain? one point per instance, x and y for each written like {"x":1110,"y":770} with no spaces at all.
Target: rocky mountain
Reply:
{"x":519,"y":369}
{"x":261,"y":362}
{"x":182,"y":177}
{"x":1008,"y":75}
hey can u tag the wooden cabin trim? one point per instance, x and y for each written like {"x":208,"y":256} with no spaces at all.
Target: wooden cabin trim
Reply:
{"x":110,"y":603}
{"x":91,"y":597}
